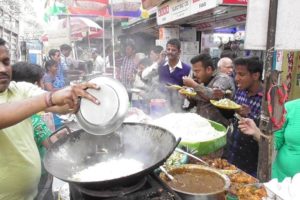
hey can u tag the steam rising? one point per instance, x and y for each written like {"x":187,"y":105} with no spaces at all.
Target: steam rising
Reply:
{"x":139,"y":142}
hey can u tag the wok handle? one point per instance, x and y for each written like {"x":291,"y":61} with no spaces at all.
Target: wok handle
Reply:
{"x":58,"y":131}
{"x":174,"y":147}
{"x":177,"y":143}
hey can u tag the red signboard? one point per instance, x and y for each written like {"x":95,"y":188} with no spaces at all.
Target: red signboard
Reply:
{"x":204,"y":25}
{"x":163,"y":10}
{"x":235,"y":2}
{"x":240,"y":18}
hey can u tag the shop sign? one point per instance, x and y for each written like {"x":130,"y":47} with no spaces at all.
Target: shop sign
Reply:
{"x":178,"y":9}
{"x":220,"y":23}
{"x":236,"y":2}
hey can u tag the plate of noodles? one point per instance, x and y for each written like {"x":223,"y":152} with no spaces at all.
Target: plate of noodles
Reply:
{"x":225,"y":104}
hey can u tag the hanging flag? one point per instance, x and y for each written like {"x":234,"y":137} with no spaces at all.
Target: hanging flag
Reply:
{"x":92,"y":4}
{"x":56,"y":9}
{"x":127,"y":8}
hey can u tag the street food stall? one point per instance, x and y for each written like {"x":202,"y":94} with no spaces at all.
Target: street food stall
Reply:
{"x":200,"y":137}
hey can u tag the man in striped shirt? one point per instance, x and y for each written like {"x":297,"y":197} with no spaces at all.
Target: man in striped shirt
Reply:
{"x":128,"y":67}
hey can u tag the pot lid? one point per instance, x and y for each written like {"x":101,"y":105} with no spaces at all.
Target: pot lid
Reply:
{"x":109,"y":115}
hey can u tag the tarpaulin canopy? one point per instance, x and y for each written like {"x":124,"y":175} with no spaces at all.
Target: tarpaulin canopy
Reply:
{"x":80,"y":27}
{"x":105,"y":8}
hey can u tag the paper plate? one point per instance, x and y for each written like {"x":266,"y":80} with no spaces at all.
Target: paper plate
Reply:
{"x":174,"y":87}
{"x":109,"y":115}
{"x":135,"y":90}
{"x":225,"y":104}
{"x":187,"y":92}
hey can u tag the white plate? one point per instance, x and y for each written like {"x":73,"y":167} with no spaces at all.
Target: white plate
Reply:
{"x":135,"y":90}
{"x":109,"y":115}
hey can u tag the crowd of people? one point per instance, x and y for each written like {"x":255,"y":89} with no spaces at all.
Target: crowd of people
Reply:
{"x":239,"y":79}
{"x":28,"y":89}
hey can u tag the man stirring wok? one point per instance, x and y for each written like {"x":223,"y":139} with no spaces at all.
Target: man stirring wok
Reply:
{"x":20,"y":165}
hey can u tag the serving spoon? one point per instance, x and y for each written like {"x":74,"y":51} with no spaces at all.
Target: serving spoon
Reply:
{"x":167,"y":173}
{"x":192,"y":156}
{"x":170,"y":177}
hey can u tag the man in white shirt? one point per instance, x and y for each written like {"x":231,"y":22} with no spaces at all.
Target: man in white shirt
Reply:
{"x":150,"y":72}
{"x":98,"y":62}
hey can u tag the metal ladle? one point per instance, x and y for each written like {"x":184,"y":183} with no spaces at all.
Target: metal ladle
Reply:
{"x":167,"y":173}
{"x":170,"y":176}
{"x":192,"y":156}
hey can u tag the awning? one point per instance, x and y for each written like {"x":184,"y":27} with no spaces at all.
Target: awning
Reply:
{"x":204,"y":14}
{"x":119,"y":8}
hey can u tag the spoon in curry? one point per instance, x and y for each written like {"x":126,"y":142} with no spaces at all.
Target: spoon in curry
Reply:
{"x":172,"y":179}
{"x":167,"y":173}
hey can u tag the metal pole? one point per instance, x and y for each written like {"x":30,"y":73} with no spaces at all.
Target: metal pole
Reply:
{"x":69,"y":27}
{"x":89,"y":42}
{"x":103,"y":42}
{"x":113,"y":39}
{"x":265,"y":145}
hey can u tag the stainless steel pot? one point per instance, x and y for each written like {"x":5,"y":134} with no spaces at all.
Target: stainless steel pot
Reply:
{"x":218,"y":195}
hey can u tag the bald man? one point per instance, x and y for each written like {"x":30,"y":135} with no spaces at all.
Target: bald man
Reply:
{"x":225,"y":65}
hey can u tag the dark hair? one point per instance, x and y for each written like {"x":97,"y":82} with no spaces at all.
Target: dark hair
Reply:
{"x":205,"y":59}
{"x":176,"y":42}
{"x":146,"y":62}
{"x":52,"y":52}
{"x":2,"y":42}
{"x":157,"y":49}
{"x":253,"y":65}
{"x":228,"y":53}
{"x":49,"y":63}
{"x":215,"y":61}
{"x":130,"y":44}
{"x":65,"y":47}
{"x":23,"y":71}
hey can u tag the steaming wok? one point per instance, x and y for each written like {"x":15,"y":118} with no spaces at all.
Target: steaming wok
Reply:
{"x":74,"y":152}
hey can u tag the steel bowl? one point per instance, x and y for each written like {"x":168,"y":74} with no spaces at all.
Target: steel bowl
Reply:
{"x":217,"y":195}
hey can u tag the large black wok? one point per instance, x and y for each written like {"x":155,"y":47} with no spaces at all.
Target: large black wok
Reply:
{"x":148,"y":144}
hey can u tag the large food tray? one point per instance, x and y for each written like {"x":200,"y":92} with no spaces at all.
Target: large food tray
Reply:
{"x":210,"y":146}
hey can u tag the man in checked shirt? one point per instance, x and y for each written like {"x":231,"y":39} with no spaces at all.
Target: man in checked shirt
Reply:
{"x":242,"y":150}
